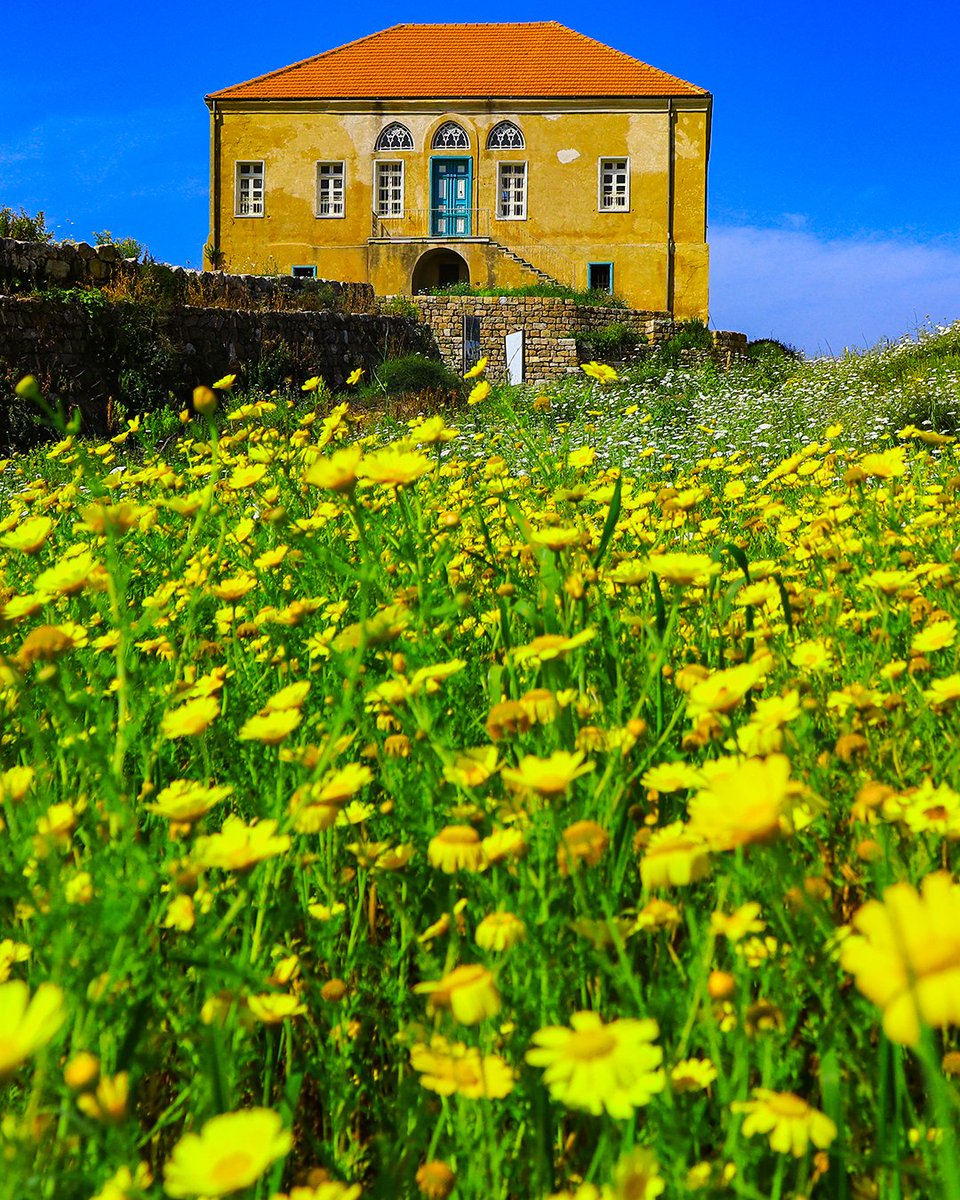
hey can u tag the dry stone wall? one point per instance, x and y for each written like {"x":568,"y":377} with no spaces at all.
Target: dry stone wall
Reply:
{"x":550,"y":326}
{"x":87,"y":355}
{"x":33,"y":266}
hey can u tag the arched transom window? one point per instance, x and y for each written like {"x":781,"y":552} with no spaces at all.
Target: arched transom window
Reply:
{"x":451,"y":136}
{"x":395,"y":137}
{"x":506,"y":136}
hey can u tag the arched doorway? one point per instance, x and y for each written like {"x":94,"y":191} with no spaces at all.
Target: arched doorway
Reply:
{"x":439,"y":268}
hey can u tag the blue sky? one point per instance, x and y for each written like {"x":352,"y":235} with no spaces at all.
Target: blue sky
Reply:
{"x":834,"y":188}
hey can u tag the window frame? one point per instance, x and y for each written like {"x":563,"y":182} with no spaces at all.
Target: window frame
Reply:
{"x":603,"y":263}
{"x":389,"y":162}
{"x":445,"y":150}
{"x":306,"y":271}
{"x":331,"y":162}
{"x":489,"y":144}
{"x":601,"y":163}
{"x":515,"y":162}
{"x":249,"y":162}
{"x":381,"y":149}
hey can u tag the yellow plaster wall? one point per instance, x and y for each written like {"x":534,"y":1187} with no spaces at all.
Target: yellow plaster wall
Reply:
{"x":564,"y":228}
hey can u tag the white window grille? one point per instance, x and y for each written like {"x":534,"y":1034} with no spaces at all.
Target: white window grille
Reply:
{"x":506,"y":136}
{"x":388,"y":187}
{"x":451,"y":136}
{"x":249,"y":190}
{"x":511,"y":191}
{"x":614,"y":184}
{"x":395,"y":137}
{"x":330,"y":189}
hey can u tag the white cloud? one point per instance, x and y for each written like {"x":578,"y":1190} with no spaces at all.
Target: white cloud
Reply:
{"x":825,"y":294}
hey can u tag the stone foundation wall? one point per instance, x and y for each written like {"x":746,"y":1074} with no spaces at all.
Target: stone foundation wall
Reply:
{"x":32,"y":266}
{"x":85,"y":355}
{"x":550,"y":325}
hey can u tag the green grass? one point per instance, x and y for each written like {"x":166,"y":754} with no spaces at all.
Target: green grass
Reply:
{"x":369,"y":635}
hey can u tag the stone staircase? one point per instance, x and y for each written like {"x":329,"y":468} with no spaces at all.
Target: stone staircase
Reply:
{"x":542,"y":276}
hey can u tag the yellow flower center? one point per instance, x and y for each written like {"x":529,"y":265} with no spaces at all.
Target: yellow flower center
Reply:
{"x":589,"y":1044}
{"x":232,"y":1171}
{"x":785,"y":1104}
{"x":459,"y":835}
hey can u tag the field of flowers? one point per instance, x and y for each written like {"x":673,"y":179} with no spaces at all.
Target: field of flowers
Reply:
{"x":555,"y":797}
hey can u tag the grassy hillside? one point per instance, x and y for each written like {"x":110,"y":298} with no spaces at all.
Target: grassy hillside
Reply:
{"x":551,"y":797}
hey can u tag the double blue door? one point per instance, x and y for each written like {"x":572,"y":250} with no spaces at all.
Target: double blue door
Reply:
{"x":450,"y":188}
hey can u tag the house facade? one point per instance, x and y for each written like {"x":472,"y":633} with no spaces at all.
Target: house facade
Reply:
{"x":495,"y":154}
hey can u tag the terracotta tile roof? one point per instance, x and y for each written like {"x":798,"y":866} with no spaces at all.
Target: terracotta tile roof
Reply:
{"x":529,"y":59}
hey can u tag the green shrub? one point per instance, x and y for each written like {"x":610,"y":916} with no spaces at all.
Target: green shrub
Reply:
{"x":126,"y":247}
{"x":413,"y":373}
{"x":590,"y":298}
{"x":23,"y":227}
{"x":400,"y":306}
{"x":609,"y":341}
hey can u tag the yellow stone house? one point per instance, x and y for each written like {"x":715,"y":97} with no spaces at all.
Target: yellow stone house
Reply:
{"x":495,"y":154}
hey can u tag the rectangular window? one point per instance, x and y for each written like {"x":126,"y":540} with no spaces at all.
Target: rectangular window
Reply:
{"x":388,"y":188}
{"x":600,"y":276}
{"x":248,"y":200}
{"x":511,"y":191}
{"x":304,"y":272}
{"x":614,"y":184}
{"x":330,"y":190}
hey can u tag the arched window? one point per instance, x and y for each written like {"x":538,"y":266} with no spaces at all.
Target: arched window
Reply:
{"x":451,"y":136}
{"x":506,"y":136}
{"x":395,"y":137}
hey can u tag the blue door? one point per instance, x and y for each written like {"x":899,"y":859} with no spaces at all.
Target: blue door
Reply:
{"x":450,"y":197}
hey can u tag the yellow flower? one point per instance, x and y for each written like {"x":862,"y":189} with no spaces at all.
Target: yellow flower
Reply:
{"x":479,"y":392}
{"x":11,"y":952}
{"x":185,"y":801}
{"x":190,"y":719}
{"x":473,"y":767}
{"x":270,"y":727}
{"x":336,"y":472}
{"x":886,"y":465}
{"x":393,"y":467}
{"x":500,"y":931}
{"x":583,"y":841}
{"x":547,"y":776}
{"x":274,"y":1007}
{"x":312,"y":384}
{"x":791,"y":1122}
{"x":937,"y":636}
{"x":671,"y":777}
{"x":28,"y":536}
{"x":125,"y":1182}
{"x":329,"y":1189}
{"x":230,"y":1153}
{"x":674,"y":857}
{"x":723,"y":690}
{"x":478,"y":368}
{"x":456,"y":848}
{"x":635,"y":1177}
{"x":27,"y":1023}
{"x":593,"y":1066}
{"x":742,"y":804}
{"x":109,"y":1102}
{"x":449,"y":1068}
{"x":468,"y":991}
{"x":550,"y":646}
{"x":692,"y":1075}
{"x":225,"y":383}
{"x":204,"y":401}
{"x":238,"y":846}
{"x":354,"y":376}
{"x":684,"y":569}
{"x":736,"y":925}
{"x":599,"y":371}
{"x":943,"y":691}
{"x":905,"y":956}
